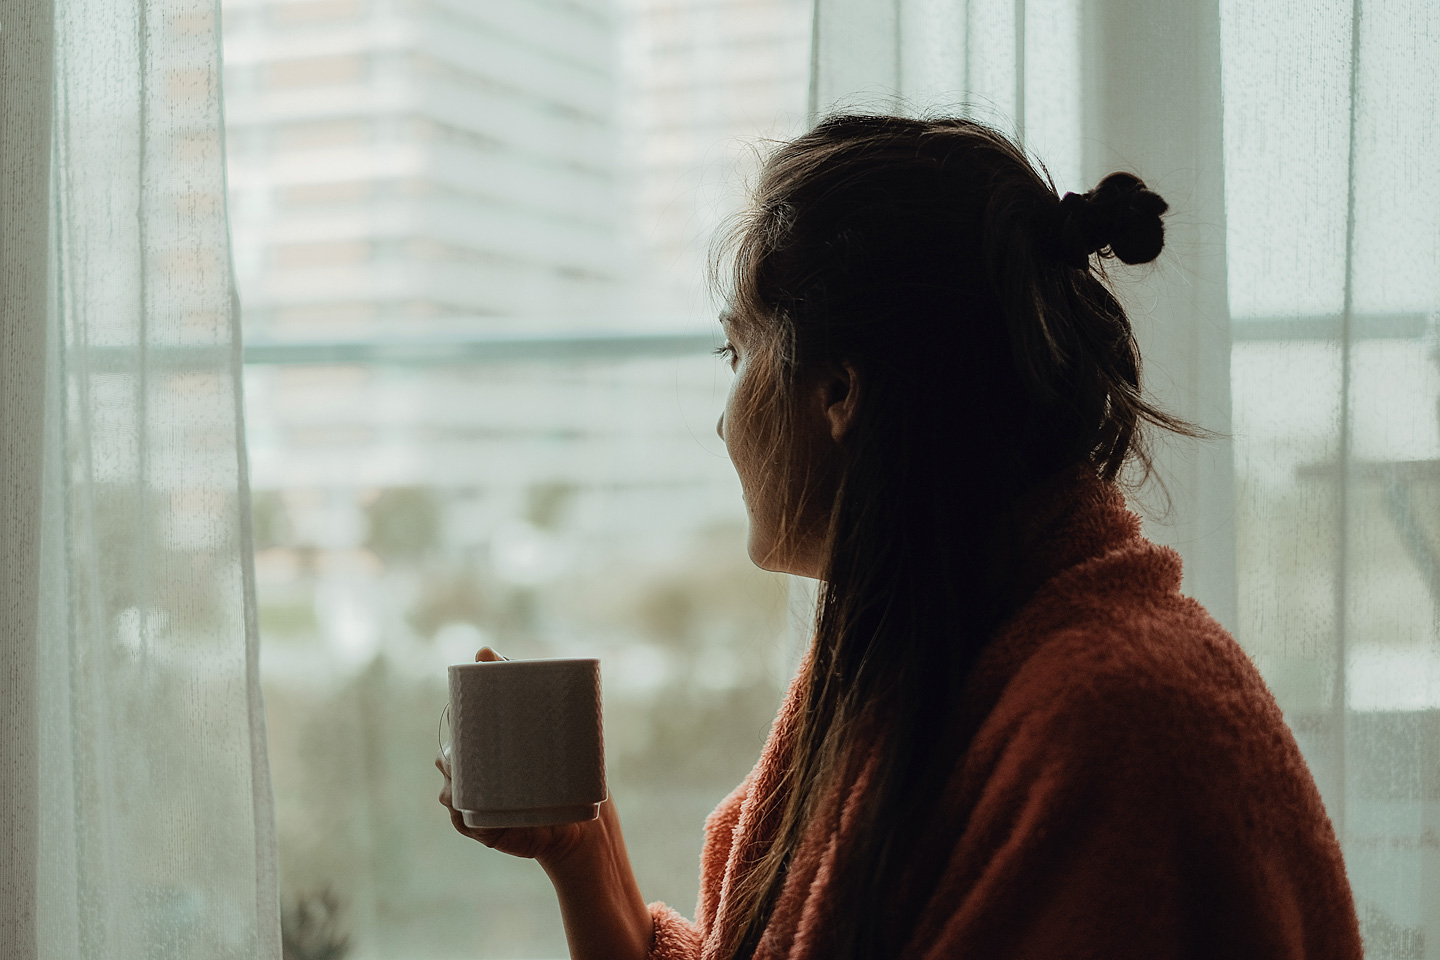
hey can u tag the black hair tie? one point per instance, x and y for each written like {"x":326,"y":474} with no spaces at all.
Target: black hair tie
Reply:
{"x":1120,"y":214}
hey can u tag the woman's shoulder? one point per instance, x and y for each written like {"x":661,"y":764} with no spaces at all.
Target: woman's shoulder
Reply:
{"x":1104,"y":654}
{"x":1114,"y":611}
{"x":1132,"y":786}
{"x":1111,"y":664}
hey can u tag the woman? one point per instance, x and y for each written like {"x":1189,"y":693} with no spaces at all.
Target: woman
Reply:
{"x":1012,"y":735}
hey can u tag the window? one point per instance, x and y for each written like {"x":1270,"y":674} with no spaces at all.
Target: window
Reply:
{"x":480,"y":409}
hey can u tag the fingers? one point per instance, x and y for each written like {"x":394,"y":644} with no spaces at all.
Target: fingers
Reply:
{"x":489,"y":837}
{"x":442,"y":763}
{"x":457,"y":819}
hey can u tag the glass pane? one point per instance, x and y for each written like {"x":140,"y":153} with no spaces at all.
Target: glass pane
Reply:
{"x":471,"y":243}
{"x":1333,"y":220}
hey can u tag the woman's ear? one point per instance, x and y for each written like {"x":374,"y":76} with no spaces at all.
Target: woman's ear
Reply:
{"x":840,"y":391}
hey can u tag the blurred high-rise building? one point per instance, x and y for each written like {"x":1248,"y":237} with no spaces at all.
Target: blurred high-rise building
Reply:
{"x":418,"y":165}
{"x":707,"y":86}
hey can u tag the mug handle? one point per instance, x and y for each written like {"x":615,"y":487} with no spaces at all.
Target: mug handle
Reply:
{"x":439,"y":736}
{"x":444,"y":722}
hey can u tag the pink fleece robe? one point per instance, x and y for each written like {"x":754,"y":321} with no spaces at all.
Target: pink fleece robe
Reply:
{"x":1132,"y":790}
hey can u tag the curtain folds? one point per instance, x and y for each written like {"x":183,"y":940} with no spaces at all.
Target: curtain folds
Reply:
{"x":25,"y":58}
{"x":141,"y":824}
{"x":1295,"y":311}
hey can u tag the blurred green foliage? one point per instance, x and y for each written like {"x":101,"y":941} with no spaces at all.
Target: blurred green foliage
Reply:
{"x":269,"y":523}
{"x":312,"y":927}
{"x":404,"y":523}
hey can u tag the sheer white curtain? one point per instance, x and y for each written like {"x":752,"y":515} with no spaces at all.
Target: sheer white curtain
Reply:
{"x":1294,"y":310}
{"x":136,"y":812}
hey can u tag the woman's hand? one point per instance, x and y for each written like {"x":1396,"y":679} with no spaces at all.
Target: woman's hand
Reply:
{"x":543,"y":844}
{"x":605,"y":915}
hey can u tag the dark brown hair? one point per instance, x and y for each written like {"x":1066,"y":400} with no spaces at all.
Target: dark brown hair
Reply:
{"x":934,"y":258}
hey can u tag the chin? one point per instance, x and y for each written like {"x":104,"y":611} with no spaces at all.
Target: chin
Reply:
{"x":763,"y":554}
{"x":759,"y":557}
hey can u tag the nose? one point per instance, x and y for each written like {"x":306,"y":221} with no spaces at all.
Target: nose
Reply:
{"x":720,"y":427}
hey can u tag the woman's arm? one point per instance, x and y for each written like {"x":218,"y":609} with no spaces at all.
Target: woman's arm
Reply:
{"x":605,"y":916}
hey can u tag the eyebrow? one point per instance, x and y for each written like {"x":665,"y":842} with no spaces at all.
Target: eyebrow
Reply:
{"x":725,"y":317}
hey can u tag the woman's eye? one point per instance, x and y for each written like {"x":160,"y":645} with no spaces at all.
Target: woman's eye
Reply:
{"x":727,"y":353}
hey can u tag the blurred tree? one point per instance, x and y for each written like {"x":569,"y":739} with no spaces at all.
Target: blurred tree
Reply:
{"x":404,"y":523}
{"x":311,"y":927}
{"x":451,"y":597}
{"x":545,"y":503}
{"x":290,"y":619}
{"x":668,"y":610}
{"x":269,"y":523}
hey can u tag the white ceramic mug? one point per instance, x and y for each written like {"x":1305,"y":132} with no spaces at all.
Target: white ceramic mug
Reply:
{"x":527,"y":744}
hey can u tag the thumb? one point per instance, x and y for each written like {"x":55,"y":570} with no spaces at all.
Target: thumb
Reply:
{"x":487,"y":655}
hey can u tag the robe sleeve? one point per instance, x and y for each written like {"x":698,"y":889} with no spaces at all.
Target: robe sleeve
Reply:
{"x":1126,"y":815}
{"x":675,"y":937}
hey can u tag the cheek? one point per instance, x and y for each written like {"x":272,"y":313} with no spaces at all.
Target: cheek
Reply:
{"x":739,"y":429}
{"x":741,"y":443}
{"x":727,"y":415}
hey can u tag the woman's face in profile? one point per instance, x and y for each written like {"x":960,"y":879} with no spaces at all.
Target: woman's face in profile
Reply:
{"x":773,"y":471}
{"x":750,"y":441}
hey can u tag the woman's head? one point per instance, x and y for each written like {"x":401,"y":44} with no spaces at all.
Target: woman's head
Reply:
{"x":920,"y":338}
{"x":931,"y":261}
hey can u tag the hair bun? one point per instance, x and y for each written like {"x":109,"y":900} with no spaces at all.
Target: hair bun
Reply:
{"x":1120,"y":214}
